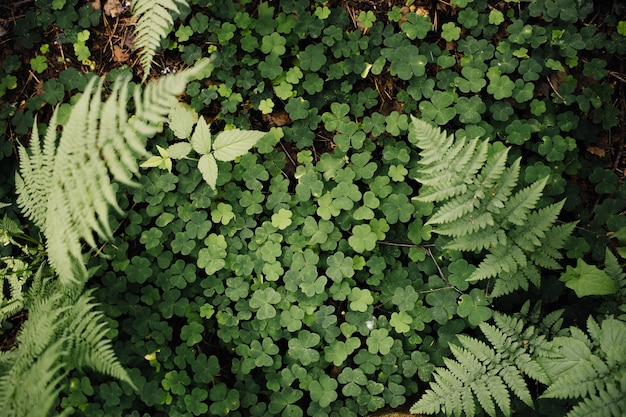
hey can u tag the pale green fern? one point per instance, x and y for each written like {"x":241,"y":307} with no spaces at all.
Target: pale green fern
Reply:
{"x":64,"y":184}
{"x":480,"y":209}
{"x":484,"y":375}
{"x":591,"y":368}
{"x":64,"y":331}
{"x":154,"y":22}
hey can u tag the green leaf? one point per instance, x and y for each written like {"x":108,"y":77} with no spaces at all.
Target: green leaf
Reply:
{"x":360,"y":299}
{"x":401,"y":322}
{"x":587,"y":279}
{"x":208,"y":167}
{"x":192,"y":333}
{"x":363,"y":238}
{"x":263,"y":302}
{"x":338,"y":351}
{"x":282,"y":219}
{"x":179,"y":150}
{"x":181,"y":120}
{"x":201,"y":138}
{"x":230,"y":144}
{"x":475,"y":307}
{"x":324,"y":390}
{"x":379,"y":341}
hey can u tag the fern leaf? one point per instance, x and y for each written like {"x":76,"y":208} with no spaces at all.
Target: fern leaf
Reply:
{"x":590,"y":368}
{"x":154,"y":22}
{"x":66,"y":189}
{"x":86,"y":342}
{"x":503,"y":188}
{"x":609,"y":403}
{"x":477,"y":206}
{"x":522,"y":202}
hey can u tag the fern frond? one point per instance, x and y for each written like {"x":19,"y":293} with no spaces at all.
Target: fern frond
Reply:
{"x":66,"y":189}
{"x":609,"y":403}
{"x":63,"y":331}
{"x":33,"y":371}
{"x":154,"y":23}
{"x":488,"y":372}
{"x":86,"y":342}
{"x":592,"y":368}
{"x":478,"y":207}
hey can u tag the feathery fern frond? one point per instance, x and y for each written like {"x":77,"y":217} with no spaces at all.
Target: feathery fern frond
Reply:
{"x":478,"y":207}
{"x":486,"y":374}
{"x":154,"y":23}
{"x":64,"y":331}
{"x":592,"y":368}
{"x":66,"y":189}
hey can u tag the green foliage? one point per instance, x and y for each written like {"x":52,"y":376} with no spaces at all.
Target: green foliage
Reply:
{"x":63,"y":332}
{"x":590,"y":368}
{"x":484,"y":375}
{"x":65,"y":189}
{"x":481,"y":211}
{"x":154,"y":23}
{"x":308,"y":265}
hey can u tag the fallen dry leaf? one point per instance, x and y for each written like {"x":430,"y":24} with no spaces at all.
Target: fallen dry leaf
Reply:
{"x":596,"y":151}
{"x":112,"y":8}
{"x":119,"y":55}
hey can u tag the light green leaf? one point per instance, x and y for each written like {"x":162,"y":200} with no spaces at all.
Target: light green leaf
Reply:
{"x":152,"y":162}
{"x":208,"y":167}
{"x":179,"y":150}
{"x":181,"y":120}
{"x":201,"y":138}
{"x":587,"y":279}
{"x":233,"y":143}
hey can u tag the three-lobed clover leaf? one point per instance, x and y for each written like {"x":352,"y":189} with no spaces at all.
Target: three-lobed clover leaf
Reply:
{"x":303,"y":349}
{"x":324,"y":390}
{"x":363,"y":238}
{"x":360,"y":299}
{"x":379,"y":341}
{"x":475,"y":307}
{"x":263,"y":302}
{"x":338,"y":351}
{"x":192,"y":333}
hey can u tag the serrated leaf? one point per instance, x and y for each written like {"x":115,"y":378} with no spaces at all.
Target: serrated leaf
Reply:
{"x":233,"y":143}
{"x":152,"y":162}
{"x":208,"y":167}
{"x":181,"y":120}
{"x":587,"y":279}
{"x":179,"y":150}
{"x":201,"y":138}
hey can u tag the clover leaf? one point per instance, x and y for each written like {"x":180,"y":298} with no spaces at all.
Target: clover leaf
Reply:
{"x":401,"y":322}
{"x":500,"y":86}
{"x":416,"y":26}
{"x":263,"y":302}
{"x":324,"y":390}
{"x":192,"y":333}
{"x":283,"y":402}
{"x":338,"y":351}
{"x":363,"y":238}
{"x":379,"y":341}
{"x":438,"y":108}
{"x":475,"y":307}
{"x":360,"y":299}
{"x":450,"y":32}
